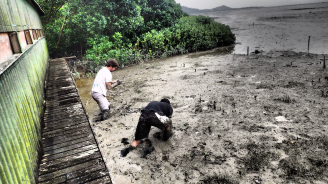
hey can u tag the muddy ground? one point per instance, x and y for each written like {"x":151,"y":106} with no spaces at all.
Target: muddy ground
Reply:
{"x":237,"y":119}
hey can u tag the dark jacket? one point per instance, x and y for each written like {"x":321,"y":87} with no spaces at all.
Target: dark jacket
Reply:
{"x":162,"y":108}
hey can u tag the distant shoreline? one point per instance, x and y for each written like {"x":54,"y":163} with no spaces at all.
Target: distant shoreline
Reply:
{"x":193,"y":11}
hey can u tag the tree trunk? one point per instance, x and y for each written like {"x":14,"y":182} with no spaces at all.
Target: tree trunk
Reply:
{"x":60,"y":33}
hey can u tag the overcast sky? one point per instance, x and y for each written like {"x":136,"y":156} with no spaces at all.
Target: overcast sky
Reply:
{"x":209,"y":4}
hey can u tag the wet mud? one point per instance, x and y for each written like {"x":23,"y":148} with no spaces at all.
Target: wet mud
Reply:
{"x":237,"y":119}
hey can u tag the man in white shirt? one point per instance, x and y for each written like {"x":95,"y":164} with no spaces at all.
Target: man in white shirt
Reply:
{"x":101,"y":84}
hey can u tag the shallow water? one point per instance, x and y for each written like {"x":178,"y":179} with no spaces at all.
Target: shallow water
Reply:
{"x":278,"y":28}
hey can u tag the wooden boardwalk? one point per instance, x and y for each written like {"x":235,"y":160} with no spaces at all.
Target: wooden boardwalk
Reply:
{"x":71,"y":153}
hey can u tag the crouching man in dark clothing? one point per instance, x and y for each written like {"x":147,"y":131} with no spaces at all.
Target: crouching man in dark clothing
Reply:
{"x":156,"y":114}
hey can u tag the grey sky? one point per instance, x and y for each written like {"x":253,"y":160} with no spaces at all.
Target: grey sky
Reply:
{"x":208,"y":4}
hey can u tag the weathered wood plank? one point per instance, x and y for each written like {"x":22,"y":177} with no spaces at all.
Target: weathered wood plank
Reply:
{"x":61,"y":140}
{"x":68,"y":170}
{"x":88,"y":177}
{"x":59,"y":166}
{"x":64,"y":124}
{"x":71,"y":154}
{"x":63,"y":145}
{"x":103,"y":180}
{"x":68,"y":148}
{"x":69,"y":160}
{"x":48,"y":157}
{"x":81,"y":129}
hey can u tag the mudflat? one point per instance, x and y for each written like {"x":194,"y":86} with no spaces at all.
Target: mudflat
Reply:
{"x":260,"y":118}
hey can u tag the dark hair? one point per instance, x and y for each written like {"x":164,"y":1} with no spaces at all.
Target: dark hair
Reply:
{"x":165,"y":100}
{"x":112,"y":63}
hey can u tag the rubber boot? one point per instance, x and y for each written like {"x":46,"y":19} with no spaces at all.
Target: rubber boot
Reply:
{"x":148,"y":148}
{"x":104,"y":115}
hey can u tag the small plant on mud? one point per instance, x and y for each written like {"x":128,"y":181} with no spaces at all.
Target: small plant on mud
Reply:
{"x":219,"y":179}
{"x":258,"y":157}
{"x":285,"y":99}
{"x":307,"y":158}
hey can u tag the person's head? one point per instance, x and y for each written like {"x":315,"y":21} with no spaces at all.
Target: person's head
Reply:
{"x":112,"y":64}
{"x":165,"y":100}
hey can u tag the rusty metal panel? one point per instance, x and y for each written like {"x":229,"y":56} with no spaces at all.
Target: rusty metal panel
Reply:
{"x":28,"y":37}
{"x":22,"y":40}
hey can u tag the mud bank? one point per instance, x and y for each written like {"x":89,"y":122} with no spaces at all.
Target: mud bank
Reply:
{"x":238,"y":119}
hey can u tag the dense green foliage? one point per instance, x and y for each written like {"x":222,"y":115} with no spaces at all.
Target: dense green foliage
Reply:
{"x":127,"y":30}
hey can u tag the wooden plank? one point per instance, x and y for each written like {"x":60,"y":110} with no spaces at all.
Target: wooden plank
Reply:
{"x":67,"y":160}
{"x":48,"y":157}
{"x":103,"y":180}
{"x":59,"y":166}
{"x":72,"y":147}
{"x":65,"y":124}
{"x":69,"y":170}
{"x":60,"y":179}
{"x":57,"y":140}
{"x":65,"y":131}
{"x":71,"y":154}
{"x":96,"y":167}
{"x":88,"y":177}
{"x":63,"y":145}
{"x":57,"y":118}
{"x":62,"y":97}
{"x":64,"y":137}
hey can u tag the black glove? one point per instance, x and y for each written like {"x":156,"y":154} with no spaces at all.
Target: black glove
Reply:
{"x":127,"y":150}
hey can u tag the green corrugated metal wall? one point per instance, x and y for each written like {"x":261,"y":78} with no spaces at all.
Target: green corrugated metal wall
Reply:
{"x":18,"y":15}
{"x":21,"y":97}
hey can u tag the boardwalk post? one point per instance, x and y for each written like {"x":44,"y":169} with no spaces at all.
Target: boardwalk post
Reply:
{"x":247,"y":51}
{"x":309,"y":45}
{"x":324,"y":62}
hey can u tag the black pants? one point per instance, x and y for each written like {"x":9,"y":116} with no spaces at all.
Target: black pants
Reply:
{"x":146,"y":120}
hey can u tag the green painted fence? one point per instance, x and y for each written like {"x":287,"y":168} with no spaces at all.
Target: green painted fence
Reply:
{"x":21,"y":109}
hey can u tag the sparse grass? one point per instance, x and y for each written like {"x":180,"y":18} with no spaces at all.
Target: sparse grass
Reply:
{"x":258,"y":157}
{"x":137,"y":85}
{"x":265,"y":86}
{"x":219,"y":179}
{"x":285,"y":99}
{"x":292,"y":84}
{"x":136,"y":99}
{"x":307,"y":158}
{"x":184,"y":77}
